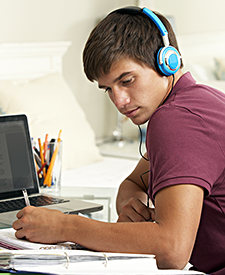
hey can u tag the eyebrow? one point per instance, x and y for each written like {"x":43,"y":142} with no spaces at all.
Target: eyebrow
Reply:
{"x":117,"y":79}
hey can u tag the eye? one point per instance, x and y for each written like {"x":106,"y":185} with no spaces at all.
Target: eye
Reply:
{"x":128,"y":81}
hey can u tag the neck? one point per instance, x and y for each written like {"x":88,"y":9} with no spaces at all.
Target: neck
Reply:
{"x":171,"y":82}
{"x":177,"y":75}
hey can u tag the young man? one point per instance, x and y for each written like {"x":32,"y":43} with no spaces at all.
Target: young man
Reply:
{"x":182,"y":172}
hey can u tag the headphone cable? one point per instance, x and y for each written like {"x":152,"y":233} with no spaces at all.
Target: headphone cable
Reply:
{"x":169,"y":92}
{"x":141,"y":175}
{"x":140,"y":130}
{"x":141,"y":137}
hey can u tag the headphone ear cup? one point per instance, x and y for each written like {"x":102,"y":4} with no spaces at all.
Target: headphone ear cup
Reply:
{"x":168,"y":60}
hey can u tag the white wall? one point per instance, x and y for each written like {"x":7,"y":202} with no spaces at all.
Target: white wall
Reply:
{"x":194,"y":16}
{"x":52,"y":20}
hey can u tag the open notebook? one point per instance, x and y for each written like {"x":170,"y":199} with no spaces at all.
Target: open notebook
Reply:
{"x":18,"y":172}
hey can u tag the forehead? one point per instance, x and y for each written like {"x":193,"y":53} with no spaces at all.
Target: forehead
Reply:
{"x":123,"y":66}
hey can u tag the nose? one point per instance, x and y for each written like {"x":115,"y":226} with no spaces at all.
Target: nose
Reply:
{"x":120,"y":98}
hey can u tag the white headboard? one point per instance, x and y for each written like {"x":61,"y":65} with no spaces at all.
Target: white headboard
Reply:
{"x":31,"y":82}
{"x":31,"y":60}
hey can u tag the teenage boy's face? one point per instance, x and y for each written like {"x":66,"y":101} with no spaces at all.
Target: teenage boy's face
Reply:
{"x":135,"y":89}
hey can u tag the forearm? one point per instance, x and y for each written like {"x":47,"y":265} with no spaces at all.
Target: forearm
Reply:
{"x":109,"y":237}
{"x":122,"y":238}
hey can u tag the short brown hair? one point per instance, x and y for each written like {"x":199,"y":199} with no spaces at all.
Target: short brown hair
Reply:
{"x":120,"y":36}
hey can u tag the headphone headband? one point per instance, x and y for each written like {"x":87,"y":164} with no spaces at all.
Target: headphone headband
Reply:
{"x":159,"y":24}
{"x":128,"y":10}
{"x":168,"y":58}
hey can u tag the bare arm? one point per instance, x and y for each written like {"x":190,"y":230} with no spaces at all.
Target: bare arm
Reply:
{"x":132,"y":195}
{"x":171,"y":238}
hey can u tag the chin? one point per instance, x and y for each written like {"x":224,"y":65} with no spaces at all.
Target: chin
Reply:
{"x":139,"y":121}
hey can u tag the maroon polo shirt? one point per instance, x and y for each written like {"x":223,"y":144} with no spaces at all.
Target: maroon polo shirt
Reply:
{"x":186,"y":145}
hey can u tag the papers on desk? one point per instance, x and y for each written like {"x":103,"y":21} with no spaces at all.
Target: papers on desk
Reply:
{"x":61,"y":261}
{"x":82,"y":262}
{"x":9,"y":241}
{"x":15,"y":259}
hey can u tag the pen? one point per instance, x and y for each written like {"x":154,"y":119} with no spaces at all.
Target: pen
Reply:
{"x":51,"y":148}
{"x":26,"y":197}
{"x":45,"y":146}
{"x":37,"y":158}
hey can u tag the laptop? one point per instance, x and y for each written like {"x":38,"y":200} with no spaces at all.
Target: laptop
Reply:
{"x":18,"y":172}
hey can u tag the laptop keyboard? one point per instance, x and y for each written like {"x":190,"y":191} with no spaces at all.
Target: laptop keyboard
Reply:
{"x":40,"y":200}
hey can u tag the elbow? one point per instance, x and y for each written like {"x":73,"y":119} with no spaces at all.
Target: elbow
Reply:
{"x":172,"y":258}
{"x":171,"y":262}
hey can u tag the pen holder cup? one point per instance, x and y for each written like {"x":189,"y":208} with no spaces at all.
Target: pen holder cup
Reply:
{"x":50,"y":176}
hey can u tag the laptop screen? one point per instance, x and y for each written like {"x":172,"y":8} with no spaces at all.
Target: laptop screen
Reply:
{"x":17,"y":168}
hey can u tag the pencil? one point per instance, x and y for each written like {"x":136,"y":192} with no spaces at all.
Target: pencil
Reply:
{"x":47,"y":180}
{"x":41,"y":155}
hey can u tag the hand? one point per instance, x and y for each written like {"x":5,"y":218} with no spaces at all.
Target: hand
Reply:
{"x":38,"y":224}
{"x":136,"y":211}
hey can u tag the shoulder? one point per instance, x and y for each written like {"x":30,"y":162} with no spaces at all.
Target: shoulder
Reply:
{"x":172,"y":121}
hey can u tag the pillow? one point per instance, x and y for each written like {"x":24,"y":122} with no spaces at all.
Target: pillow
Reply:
{"x":220,"y":68}
{"x":199,"y":71}
{"x":51,"y":106}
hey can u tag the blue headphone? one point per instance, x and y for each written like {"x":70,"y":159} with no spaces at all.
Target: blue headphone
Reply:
{"x":168,"y":58}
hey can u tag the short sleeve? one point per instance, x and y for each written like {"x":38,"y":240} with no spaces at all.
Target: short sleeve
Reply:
{"x":182,"y":150}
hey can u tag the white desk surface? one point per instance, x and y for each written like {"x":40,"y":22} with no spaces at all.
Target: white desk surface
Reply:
{"x":109,"y":173}
{"x":99,"y":179}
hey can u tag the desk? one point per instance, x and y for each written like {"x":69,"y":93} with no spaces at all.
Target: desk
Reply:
{"x":3,"y":225}
{"x":101,"y":195}
{"x":99,"y":181}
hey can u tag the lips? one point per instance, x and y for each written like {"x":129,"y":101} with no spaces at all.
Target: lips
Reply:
{"x":131,"y":113}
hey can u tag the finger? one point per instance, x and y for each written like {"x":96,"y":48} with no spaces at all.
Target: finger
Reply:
{"x":16,"y":225}
{"x":20,"y":234}
{"x":152,"y":214}
{"x":22,"y":218}
{"x":24,"y":211}
{"x":20,"y":214}
{"x":130,"y":213}
{"x":132,"y":217}
{"x":141,"y":210}
{"x":123,"y":218}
